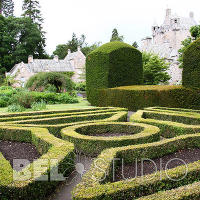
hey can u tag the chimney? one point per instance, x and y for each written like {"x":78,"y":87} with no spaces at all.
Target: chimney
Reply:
{"x":56,"y":59}
{"x":30,"y":59}
{"x":191,"y":15}
{"x":69,"y":51}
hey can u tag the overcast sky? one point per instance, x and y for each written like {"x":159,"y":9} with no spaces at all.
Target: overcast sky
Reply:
{"x":97,"y":18}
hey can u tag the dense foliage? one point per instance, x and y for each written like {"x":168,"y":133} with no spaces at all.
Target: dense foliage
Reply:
{"x":138,"y":97}
{"x":195,"y":34}
{"x":53,"y":81}
{"x":6,"y":7}
{"x":191,"y":65}
{"x":155,"y":69}
{"x":19,"y":99}
{"x":19,"y":38}
{"x":111,"y":65}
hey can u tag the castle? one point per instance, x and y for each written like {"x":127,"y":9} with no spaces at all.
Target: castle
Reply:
{"x":166,"y":41}
{"x":73,"y":62}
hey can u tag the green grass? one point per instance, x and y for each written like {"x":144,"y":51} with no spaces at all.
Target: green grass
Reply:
{"x":82,"y":104}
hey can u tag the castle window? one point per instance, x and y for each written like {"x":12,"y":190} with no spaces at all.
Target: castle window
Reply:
{"x":175,"y":21}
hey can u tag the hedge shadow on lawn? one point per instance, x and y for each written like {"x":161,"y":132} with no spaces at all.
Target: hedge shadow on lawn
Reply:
{"x":50,"y":148}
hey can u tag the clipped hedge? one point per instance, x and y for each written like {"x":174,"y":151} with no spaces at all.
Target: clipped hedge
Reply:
{"x":96,"y":182}
{"x":50,"y":147}
{"x":171,"y":123}
{"x":188,"y":192}
{"x":191,"y":65}
{"x":61,"y":119}
{"x":139,"y":97}
{"x":111,"y":65}
{"x":80,"y":135}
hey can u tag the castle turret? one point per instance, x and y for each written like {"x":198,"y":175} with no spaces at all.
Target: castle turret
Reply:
{"x":168,"y":16}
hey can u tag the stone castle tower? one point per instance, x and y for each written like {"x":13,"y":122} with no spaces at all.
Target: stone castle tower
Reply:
{"x":166,"y":41}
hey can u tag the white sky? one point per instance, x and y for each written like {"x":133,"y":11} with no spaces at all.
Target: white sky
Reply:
{"x":97,"y":18}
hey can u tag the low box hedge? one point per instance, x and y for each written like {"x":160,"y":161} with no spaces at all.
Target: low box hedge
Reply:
{"x":49,"y":147}
{"x":55,"y":124}
{"x":96,"y":183}
{"x":188,"y":192}
{"x":80,"y":136}
{"x":165,"y":121}
{"x":139,"y":97}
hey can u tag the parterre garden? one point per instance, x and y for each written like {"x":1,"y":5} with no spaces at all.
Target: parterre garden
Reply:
{"x":117,"y":146}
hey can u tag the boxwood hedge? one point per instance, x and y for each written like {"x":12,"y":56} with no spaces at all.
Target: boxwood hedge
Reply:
{"x":111,"y":65}
{"x":80,"y":135}
{"x":139,"y":97}
{"x":96,"y":182}
{"x":50,"y":147}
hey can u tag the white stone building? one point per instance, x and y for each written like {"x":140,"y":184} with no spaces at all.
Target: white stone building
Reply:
{"x":73,"y":62}
{"x":166,"y":41}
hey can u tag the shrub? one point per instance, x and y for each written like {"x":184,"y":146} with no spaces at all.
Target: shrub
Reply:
{"x":191,"y":65}
{"x":24,"y":99}
{"x":138,"y":97}
{"x":15,"y":108}
{"x":41,"y":81}
{"x":80,"y":86}
{"x":38,"y":106}
{"x":111,"y":65}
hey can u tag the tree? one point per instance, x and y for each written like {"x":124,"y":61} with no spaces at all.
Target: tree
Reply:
{"x":31,"y":9}
{"x":195,"y":34}
{"x":6,"y":7}
{"x":115,"y":36}
{"x":73,"y":44}
{"x":19,"y":38}
{"x":135,"y":45}
{"x":155,"y":69}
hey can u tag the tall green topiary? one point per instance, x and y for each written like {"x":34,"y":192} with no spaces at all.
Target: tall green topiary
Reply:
{"x":191,"y":65}
{"x":112,"y":65}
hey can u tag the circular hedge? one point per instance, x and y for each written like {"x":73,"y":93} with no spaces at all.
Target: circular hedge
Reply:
{"x":191,"y":65}
{"x":136,"y":133}
{"x":113,"y":64}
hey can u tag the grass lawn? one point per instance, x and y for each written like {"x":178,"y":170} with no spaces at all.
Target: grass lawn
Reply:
{"x":82,"y":104}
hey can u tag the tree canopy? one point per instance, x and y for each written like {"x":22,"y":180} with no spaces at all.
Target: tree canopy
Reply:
{"x":195,"y":34}
{"x":155,"y":69}
{"x":6,"y":7}
{"x":73,"y":44}
{"x":115,"y":36}
{"x":19,"y":38}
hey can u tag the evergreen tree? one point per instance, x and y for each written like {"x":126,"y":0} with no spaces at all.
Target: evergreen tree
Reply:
{"x":31,"y":9}
{"x":135,"y":45}
{"x":6,"y":7}
{"x":115,"y":36}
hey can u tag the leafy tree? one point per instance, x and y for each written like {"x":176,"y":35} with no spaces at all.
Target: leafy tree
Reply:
{"x":6,"y":7}
{"x":115,"y":36}
{"x":135,"y":45}
{"x":19,"y":38}
{"x":73,"y":44}
{"x":195,"y":34}
{"x":155,"y":69}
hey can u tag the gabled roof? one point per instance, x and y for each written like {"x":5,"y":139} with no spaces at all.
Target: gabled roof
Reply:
{"x":42,"y":65}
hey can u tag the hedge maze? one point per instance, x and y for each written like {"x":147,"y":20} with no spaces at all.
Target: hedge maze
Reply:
{"x":178,"y":129}
{"x":104,"y":134}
